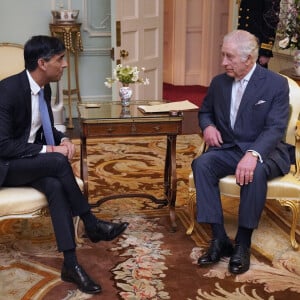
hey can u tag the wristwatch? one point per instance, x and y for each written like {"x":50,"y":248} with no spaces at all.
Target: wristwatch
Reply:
{"x":254,"y":154}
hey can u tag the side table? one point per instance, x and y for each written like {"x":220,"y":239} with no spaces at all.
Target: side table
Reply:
{"x":106,"y":120}
{"x":71,"y":36}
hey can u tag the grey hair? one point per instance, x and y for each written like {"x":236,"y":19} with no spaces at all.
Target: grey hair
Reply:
{"x":246,"y":43}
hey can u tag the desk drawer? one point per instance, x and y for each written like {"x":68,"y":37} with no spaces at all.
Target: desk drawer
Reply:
{"x":131,"y":128}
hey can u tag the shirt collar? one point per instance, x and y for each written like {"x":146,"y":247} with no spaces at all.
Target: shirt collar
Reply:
{"x":249,"y":74}
{"x":35,"y":88}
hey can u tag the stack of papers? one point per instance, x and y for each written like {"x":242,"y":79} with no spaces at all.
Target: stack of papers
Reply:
{"x":166,"y":107}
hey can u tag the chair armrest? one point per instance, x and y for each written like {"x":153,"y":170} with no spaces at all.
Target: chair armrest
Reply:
{"x":203,"y":145}
{"x":297,"y":150}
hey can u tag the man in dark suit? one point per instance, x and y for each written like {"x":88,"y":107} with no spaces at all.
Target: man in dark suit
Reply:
{"x":260,"y":17}
{"x":244,"y":131}
{"x":30,"y":155}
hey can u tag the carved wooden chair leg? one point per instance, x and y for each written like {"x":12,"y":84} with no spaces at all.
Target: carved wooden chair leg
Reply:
{"x":78,"y":239}
{"x":295,"y":208}
{"x":191,"y":210}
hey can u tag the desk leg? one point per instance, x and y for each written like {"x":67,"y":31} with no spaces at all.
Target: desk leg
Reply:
{"x":170,"y":178}
{"x":83,"y":167}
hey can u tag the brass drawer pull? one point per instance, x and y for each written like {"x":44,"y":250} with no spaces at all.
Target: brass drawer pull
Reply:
{"x":156,"y":128}
{"x":110,"y":130}
{"x":133,"y":128}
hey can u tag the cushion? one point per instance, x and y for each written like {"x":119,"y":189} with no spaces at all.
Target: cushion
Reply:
{"x":23,"y":200}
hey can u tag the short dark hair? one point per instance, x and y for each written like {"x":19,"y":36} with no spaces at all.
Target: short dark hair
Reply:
{"x":41,"y":46}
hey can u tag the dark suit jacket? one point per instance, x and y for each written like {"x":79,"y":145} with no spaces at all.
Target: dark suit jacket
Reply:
{"x":262,"y":117}
{"x":15,"y":121}
{"x":260,"y":17}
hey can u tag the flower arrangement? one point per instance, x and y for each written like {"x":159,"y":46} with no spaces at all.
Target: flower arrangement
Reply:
{"x":289,"y":25}
{"x":126,"y":75}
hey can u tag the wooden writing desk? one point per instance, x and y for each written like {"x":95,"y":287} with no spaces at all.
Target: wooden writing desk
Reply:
{"x":106,"y":120}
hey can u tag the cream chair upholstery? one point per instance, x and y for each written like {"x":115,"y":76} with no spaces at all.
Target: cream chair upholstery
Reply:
{"x":27,"y":202}
{"x":11,"y":59}
{"x":284,"y":189}
{"x":22,"y":202}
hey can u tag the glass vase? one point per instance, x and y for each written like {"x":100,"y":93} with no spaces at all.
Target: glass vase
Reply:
{"x":125,"y":93}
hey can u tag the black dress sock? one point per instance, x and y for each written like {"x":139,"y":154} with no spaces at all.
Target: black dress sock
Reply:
{"x":243,"y":236}
{"x":218,"y":231}
{"x":70,"y":258}
{"x":89,"y":220}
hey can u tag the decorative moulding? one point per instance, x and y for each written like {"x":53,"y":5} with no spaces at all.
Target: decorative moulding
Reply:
{"x":98,"y":27}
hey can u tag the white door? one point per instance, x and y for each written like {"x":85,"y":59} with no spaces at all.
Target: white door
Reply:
{"x":137,"y":40}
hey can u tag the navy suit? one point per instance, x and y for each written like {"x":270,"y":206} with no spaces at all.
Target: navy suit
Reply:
{"x":260,"y":125}
{"x":21,"y":163}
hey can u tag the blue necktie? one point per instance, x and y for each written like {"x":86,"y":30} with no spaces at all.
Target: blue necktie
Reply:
{"x":45,"y":119}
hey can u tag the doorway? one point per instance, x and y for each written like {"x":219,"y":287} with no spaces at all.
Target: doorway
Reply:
{"x":193,"y":33}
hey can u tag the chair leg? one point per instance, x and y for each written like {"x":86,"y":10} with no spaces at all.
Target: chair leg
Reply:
{"x":78,"y":239}
{"x":191,"y":211}
{"x":295,"y":208}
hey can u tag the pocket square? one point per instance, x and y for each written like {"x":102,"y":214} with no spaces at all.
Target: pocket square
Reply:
{"x":260,"y":102}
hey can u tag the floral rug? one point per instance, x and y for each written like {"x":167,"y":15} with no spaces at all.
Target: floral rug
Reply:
{"x":148,"y":261}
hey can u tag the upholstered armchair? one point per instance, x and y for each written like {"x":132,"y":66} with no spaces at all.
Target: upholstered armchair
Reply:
{"x":285,"y":190}
{"x":22,"y":202}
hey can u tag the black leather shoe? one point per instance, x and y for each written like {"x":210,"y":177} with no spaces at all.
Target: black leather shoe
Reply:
{"x":240,"y":260}
{"x":78,"y":276}
{"x":216,"y":250}
{"x":106,"y":231}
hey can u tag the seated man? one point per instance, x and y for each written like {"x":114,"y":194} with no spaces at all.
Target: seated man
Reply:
{"x":243,"y":119}
{"x":33,"y":153}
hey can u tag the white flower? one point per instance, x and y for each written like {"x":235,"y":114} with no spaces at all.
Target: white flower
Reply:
{"x":126,"y":75}
{"x":284,"y":43}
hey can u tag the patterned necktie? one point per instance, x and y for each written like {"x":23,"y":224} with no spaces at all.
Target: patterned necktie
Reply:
{"x":236,"y":102}
{"x":45,"y":119}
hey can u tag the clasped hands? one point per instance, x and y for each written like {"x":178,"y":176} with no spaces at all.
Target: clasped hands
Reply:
{"x":66,"y":147}
{"x":245,"y":169}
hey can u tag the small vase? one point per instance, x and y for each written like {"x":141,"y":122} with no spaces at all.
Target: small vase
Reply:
{"x":125,"y":112}
{"x":297,"y":62}
{"x":125,"y":95}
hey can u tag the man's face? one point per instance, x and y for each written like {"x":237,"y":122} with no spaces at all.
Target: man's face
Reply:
{"x":55,"y":66}
{"x":234,"y":65}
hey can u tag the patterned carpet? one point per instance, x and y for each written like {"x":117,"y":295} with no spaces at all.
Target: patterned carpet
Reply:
{"x":148,"y":261}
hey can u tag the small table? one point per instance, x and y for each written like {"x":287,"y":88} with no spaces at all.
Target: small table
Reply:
{"x":109,"y":119}
{"x":71,"y":36}
{"x":291,"y":73}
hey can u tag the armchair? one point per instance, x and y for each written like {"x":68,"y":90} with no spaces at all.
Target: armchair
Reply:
{"x":22,"y":202}
{"x":285,"y":190}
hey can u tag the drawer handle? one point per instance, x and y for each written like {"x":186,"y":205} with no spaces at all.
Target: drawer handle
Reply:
{"x":110,"y":130}
{"x":133,"y":128}
{"x":157,"y":128}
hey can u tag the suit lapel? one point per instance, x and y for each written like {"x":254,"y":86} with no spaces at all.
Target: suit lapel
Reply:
{"x":27,"y":92}
{"x":250,"y":93}
{"x":227,"y":89}
{"x":25,"y":89}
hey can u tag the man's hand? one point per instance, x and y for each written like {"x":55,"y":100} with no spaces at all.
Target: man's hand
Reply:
{"x":70,"y":148}
{"x":212,"y":136}
{"x":245,"y":169}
